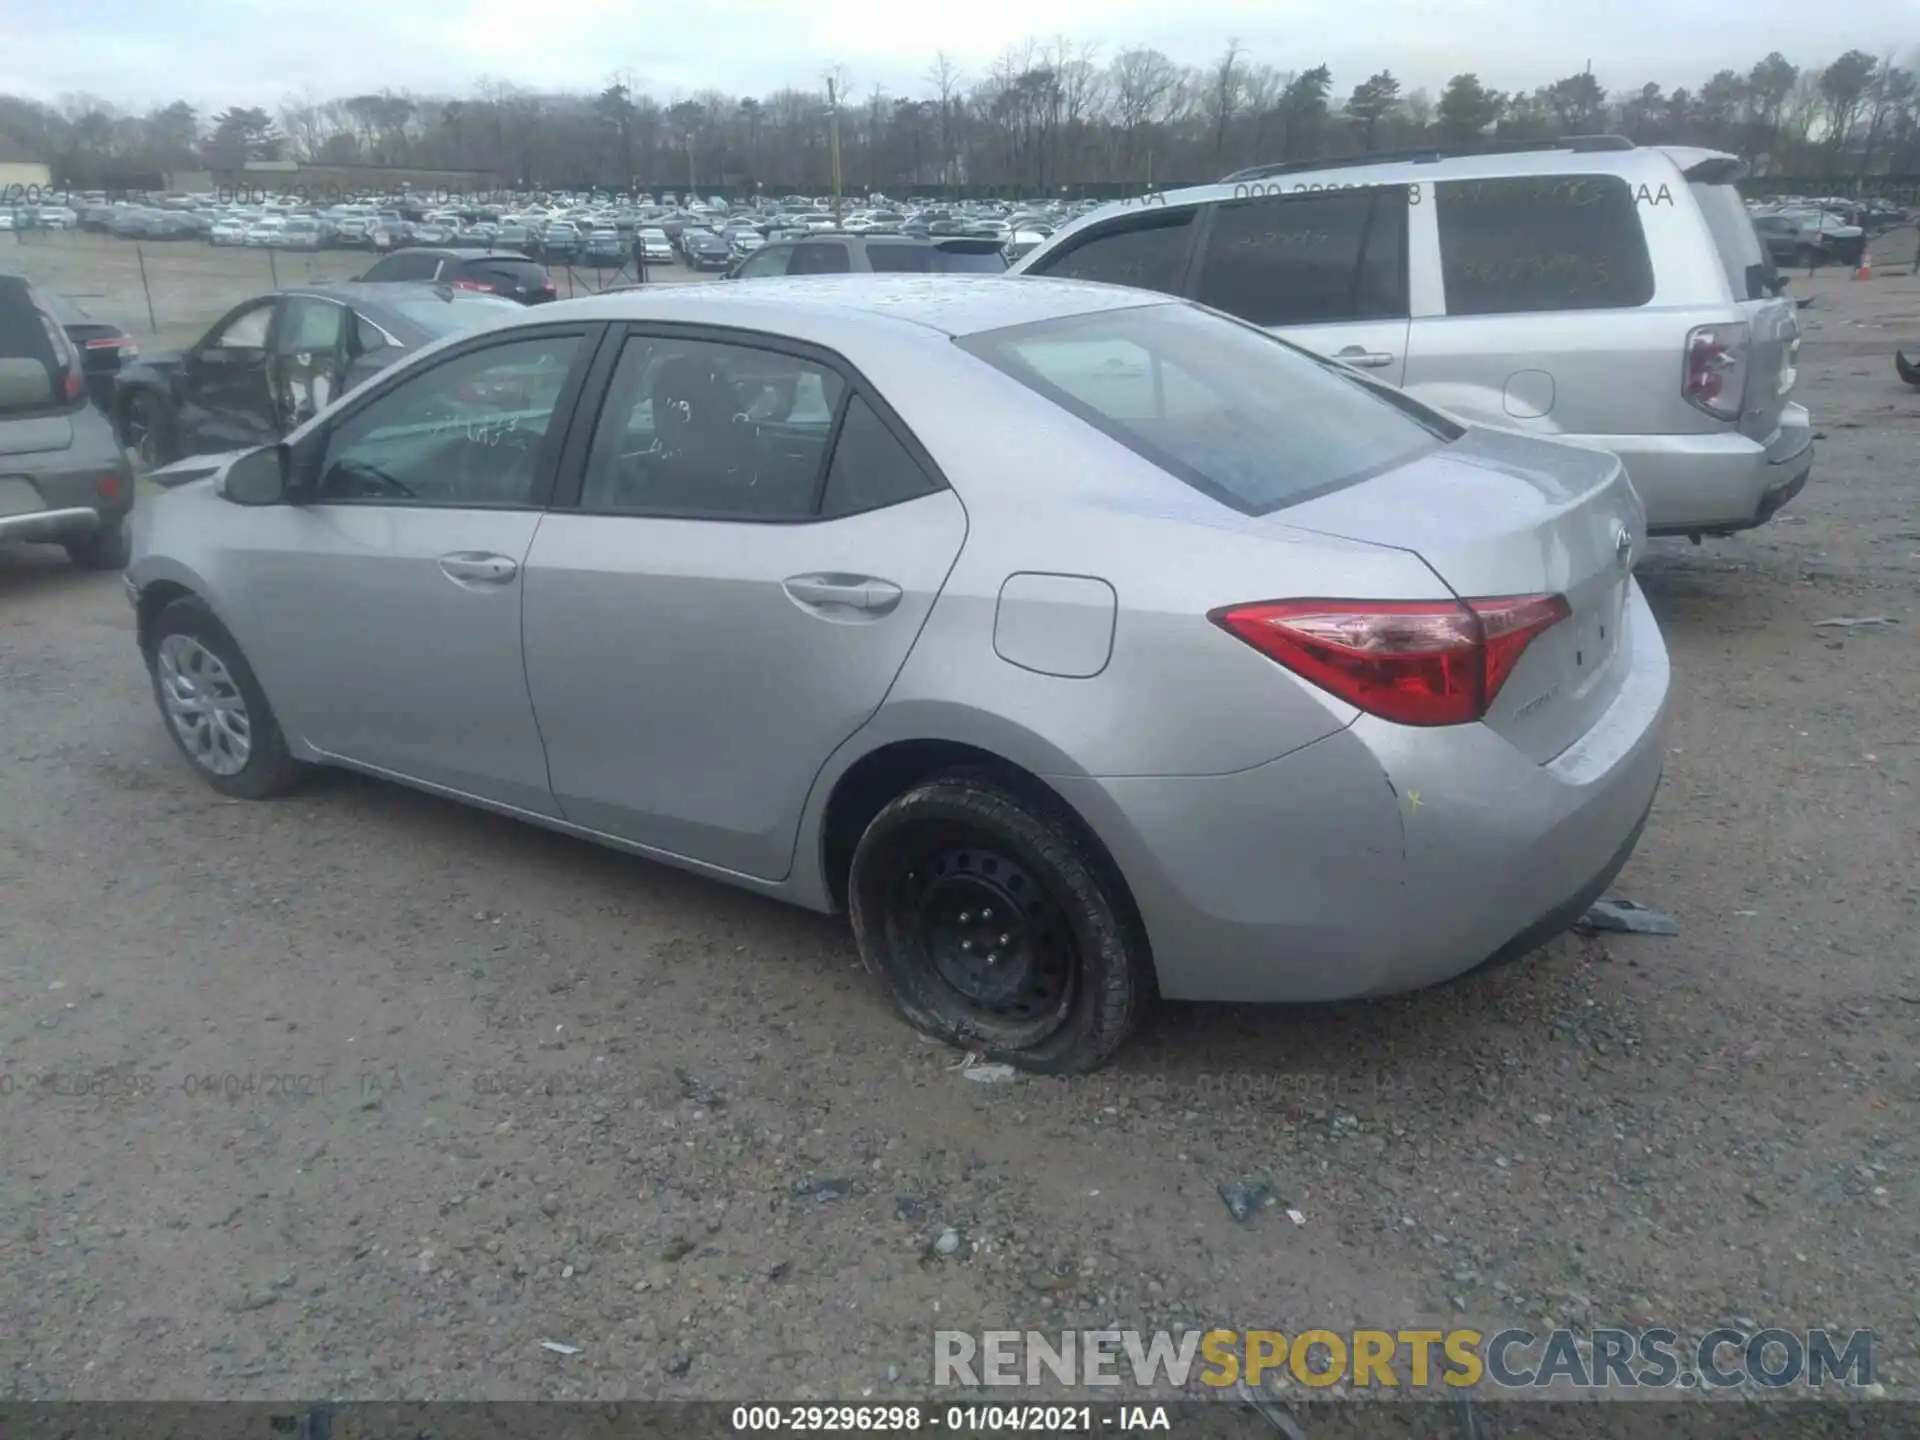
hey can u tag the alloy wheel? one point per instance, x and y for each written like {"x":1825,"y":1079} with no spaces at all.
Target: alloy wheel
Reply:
{"x":204,"y":704}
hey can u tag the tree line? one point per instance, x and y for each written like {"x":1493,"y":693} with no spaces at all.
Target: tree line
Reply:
{"x":1044,"y":115}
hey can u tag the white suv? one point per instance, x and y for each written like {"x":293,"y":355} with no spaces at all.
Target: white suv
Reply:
{"x":1593,"y":290}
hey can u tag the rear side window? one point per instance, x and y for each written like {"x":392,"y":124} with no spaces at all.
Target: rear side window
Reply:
{"x":819,"y":260}
{"x":510,"y":273}
{"x":870,"y":468}
{"x":1232,"y":411}
{"x":1524,"y":244}
{"x":1317,"y":258}
{"x":1148,"y":252}
{"x":405,"y":267}
{"x":900,"y":259}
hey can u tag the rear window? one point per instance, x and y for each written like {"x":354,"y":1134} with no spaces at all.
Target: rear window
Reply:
{"x":1745,"y":259}
{"x":1234,"y":412}
{"x":981,"y":258}
{"x":38,"y":367}
{"x":510,"y":272}
{"x":1524,"y":244}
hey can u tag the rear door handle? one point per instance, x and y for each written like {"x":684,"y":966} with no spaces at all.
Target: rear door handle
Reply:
{"x":1365,"y":359}
{"x":853,"y":592}
{"x":478,"y":567}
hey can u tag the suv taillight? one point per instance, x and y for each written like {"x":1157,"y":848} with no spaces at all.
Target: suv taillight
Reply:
{"x":1414,"y":662}
{"x":480,"y":285}
{"x":1716,"y":373}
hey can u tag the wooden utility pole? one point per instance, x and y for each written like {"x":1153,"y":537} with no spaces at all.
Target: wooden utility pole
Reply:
{"x":833,"y":144}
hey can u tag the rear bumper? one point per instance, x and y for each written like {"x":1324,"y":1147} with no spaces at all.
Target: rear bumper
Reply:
{"x":1382,"y":858}
{"x":1714,"y":483}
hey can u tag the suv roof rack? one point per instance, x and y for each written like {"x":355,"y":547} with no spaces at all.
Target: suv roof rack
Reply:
{"x":1578,"y":144}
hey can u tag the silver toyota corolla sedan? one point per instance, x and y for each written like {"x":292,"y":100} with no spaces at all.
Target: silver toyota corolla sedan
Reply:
{"x":1083,"y":644}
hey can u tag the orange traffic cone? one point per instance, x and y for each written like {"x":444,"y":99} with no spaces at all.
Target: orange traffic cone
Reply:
{"x":1865,"y":272}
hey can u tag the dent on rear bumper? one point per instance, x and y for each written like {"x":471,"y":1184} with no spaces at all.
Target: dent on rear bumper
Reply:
{"x":1381,"y":858}
{"x":1718,"y":481}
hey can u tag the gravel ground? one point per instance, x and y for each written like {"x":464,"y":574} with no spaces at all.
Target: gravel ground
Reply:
{"x":362,"y":1094}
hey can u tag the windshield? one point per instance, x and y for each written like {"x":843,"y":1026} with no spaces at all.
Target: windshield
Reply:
{"x":459,"y":312}
{"x":1234,"y":412}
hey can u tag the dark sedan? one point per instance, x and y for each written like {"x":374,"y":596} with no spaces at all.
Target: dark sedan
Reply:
{"x":104,"y":347}
{"x":273,"y":361}
{"x":707,"y":251}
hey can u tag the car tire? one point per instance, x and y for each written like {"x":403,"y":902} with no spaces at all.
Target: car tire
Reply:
{"x":145,"y":429}
{"x":188,"y":643}
{"x":927,"y":877}
{"x":109,"y":547}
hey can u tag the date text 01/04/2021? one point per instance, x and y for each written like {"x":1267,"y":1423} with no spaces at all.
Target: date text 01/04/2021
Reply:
{"x":952,"y":1419}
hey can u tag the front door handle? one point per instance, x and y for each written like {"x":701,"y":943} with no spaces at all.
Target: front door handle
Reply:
{"x":478,"y":567}
{"x":1365,"y":359}
{"x":853,"y":592}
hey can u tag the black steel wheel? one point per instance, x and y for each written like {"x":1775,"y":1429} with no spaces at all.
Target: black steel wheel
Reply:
{"x":997,"y":926}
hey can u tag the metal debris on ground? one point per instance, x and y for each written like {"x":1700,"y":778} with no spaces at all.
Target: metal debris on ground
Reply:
{"x":1852,"y":622}
{"x":1625,"y":918}
{"x":700,"y":1094}
{"x":994,"y":1074}
{"x":559,"y":1349}
{"x":1244,"y":1197}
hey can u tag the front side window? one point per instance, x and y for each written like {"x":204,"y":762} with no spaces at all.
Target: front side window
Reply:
{"x":695,"y":428}
{"x":1148,"y":252}
{"x":471,"y":430}
{"x":1228,"y":409}
{"x":1524,"y":244}
{"x":245,"y":331}
{"x":1318,"y":258}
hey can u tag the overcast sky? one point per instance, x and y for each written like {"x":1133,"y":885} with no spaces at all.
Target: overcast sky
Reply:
{"x":213,"y":53}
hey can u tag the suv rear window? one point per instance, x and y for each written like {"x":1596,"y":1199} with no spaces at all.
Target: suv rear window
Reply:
{"x":1747,"y":263}
{"x":1234,"y":412}
{"x":1529,"y":243}
{"x":38,"y":367}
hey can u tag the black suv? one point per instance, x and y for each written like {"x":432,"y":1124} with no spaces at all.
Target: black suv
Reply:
{"x":496,"y":272}
{"x":832,"y":253}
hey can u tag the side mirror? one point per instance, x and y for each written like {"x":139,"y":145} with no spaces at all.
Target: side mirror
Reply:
{"x":259,"y":477}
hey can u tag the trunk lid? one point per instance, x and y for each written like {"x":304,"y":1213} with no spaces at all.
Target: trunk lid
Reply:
{"x":1500,"y":513}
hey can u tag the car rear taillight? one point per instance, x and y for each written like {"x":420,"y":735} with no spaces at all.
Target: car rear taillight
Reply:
{"x":1716,"y":373}
{"x":75,"y":386}
{"x":474,"y":285}
{"x":1414,"y":662}
{"x":108,"y":486}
